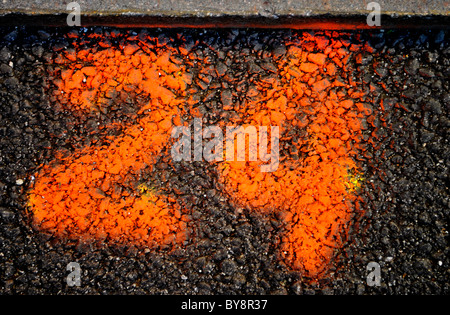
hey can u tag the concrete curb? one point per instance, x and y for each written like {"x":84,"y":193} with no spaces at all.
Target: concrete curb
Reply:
{"x":299,"y":14}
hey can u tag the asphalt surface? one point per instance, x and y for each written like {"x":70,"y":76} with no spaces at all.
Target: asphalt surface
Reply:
{"x":404,"y":198}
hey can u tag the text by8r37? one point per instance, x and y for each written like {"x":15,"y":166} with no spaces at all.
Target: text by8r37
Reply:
{"x":245,"y":304}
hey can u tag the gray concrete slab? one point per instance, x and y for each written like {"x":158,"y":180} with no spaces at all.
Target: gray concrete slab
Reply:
{"x":227,"y":13}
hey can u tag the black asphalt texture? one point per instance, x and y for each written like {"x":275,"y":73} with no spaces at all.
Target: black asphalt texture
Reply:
{"x":406,"y":196}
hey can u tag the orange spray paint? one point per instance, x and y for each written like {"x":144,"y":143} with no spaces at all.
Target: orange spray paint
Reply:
{"x":315,"y":192}
{"x":94,"y":192}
